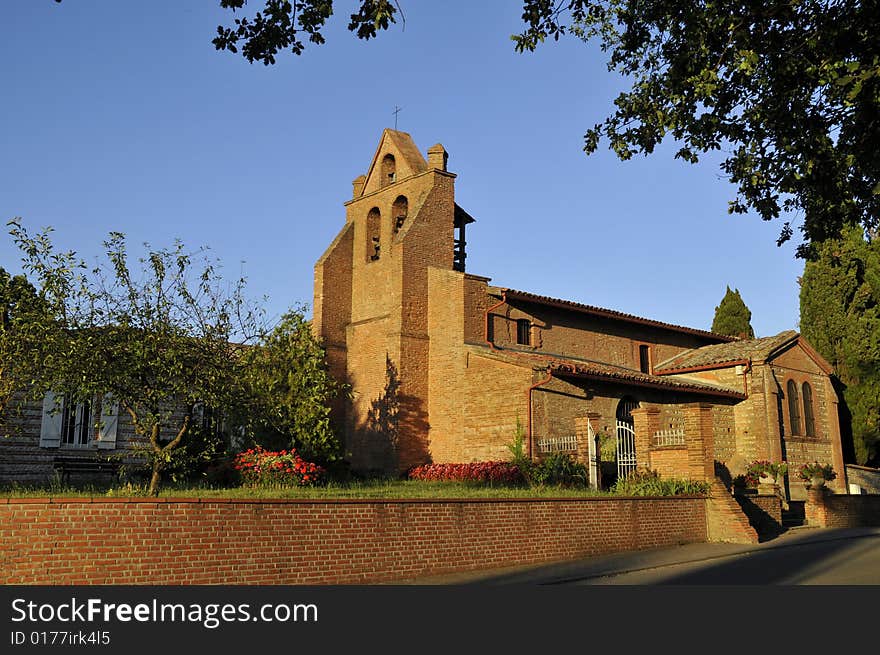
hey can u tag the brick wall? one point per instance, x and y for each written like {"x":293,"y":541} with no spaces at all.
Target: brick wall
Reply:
{"x":179,"y":541}
{"x":826,"y":510}
{"x":764,"y":512}
{"x":574,"y":334}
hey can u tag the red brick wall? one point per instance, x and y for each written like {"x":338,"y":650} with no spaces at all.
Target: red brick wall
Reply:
{"x":574,"y":334}
{"x":180,"y":541}
{"x":842,"y":511}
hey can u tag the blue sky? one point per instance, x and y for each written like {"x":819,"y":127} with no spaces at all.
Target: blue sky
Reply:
{"x":120,"y":115}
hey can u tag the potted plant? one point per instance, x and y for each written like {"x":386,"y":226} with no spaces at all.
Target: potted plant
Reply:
{"x":762,"y":471}
{"x":816,"y":474}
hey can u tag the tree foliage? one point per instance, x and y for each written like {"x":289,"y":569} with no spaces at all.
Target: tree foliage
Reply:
{"x":789,"y":91}
{"x":283,"y":23}
{"x":733,"y":317}
{"x":27,"y":330}
{"x":292,"y":391}
{"x":840,"y":316}
{"x":160,"y":341}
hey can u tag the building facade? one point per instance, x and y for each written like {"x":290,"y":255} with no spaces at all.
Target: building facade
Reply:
{"x":446,"y":367}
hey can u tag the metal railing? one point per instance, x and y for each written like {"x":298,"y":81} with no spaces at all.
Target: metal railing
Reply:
{"x":672,"y":437}
{"x":566,"y":444}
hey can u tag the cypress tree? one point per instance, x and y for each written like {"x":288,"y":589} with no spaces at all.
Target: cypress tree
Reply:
{"x":732,"y":317}
{"x":840,"y":317}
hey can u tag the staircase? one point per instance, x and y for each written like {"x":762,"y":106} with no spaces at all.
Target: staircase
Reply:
{"x":726,"y":520}
{"x":794,"y":516}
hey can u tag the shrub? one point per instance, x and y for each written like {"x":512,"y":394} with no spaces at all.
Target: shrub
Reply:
{"x":484,"y":472}
{"x":518,"y":451}
{"x":816,"y":470}
{"x":646,"y":482}
{"x":285,"y":468}
{"x":559,"y":469}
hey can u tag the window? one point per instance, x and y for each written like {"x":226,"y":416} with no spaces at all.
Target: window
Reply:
{"x":78,"y":425}
{"x":645,"y":359}
{"x":524,"y":332}
{"x":809,"y":420}
{"x":794,"y":412}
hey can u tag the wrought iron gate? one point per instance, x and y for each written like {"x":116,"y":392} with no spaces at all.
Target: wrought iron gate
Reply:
{"x":626,"y":449}
{"x":626,"y":437}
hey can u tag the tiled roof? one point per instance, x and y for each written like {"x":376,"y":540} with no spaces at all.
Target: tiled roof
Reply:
{"x":566,"y":367}
{"x":407,"y":147}
{"x":513,"y":294}
{"x":721,"y":353}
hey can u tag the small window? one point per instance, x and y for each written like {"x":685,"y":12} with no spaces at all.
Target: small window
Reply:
{"x":809,"y":420}
{"x":76,"y":424}
{"x":645,"y":359}
{"x":794,"y":410}
{"x":524,"y":332}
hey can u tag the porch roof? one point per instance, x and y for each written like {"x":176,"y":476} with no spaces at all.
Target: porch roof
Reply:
{"x":585,"y":369}
{"x":721,"y":355}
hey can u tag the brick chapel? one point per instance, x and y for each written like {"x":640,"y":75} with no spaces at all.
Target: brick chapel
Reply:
{"x":444,"y":366}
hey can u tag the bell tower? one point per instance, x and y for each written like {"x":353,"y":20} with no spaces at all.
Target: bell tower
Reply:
{"x":371,"y":298}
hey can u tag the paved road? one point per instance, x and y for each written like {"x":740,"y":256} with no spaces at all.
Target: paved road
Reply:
{"x":842,"y":561}
{"x":798,"y":557}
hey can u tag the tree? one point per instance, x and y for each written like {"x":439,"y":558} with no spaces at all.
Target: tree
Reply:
{"x":27,"y":330}
{"x":291,"y":390}
{"x":789,"y":91}
{"x":840,"y":316}
{"x":732,"y":317}
{"x":161,"y":342}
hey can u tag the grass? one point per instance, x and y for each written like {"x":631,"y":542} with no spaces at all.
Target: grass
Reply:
{"x":355,"y":489}
{"x":363,"y":489}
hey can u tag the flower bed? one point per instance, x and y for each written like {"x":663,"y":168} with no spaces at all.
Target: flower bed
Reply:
{"x":284,"y":468}
{"x":492,"y":472}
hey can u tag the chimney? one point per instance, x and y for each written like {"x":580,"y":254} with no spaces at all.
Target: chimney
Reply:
{"x":358,"y":186}
{"x":437,"y":157}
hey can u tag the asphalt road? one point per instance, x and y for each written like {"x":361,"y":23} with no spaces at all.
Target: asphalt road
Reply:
{"x":797,"y":557}
{"x":842,"y":561}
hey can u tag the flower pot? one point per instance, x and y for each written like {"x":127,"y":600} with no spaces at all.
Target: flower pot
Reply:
{"x":767,"y":479}
{"x":817,"y":482}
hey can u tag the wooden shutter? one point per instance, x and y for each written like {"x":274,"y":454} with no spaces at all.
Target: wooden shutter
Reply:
{"x":109,"y":423}
{"x":50,"y":428}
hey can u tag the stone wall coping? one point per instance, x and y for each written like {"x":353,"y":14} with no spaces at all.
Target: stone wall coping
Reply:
{"x":97,"y":500}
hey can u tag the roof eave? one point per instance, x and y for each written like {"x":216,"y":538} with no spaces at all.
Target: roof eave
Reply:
{"x":570,"y":305}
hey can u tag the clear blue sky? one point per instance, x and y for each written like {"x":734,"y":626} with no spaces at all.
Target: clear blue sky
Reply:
{"x":120,"y":115}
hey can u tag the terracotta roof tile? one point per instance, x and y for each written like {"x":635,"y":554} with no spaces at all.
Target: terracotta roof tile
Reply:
{"x":607,"y":372}
{"x":514,"y":294}
{"x":721,"y":353}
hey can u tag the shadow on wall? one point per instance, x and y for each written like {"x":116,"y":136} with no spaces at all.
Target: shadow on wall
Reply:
{"x":394,"y":436}
{"x":844,"y":417}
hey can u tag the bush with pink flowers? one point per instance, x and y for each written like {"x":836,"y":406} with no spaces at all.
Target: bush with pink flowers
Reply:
{"x":283,"y":468}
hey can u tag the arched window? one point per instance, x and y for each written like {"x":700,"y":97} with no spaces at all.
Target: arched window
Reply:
{"x":794,"y":409}
{"x":809,"y":420}
{"x":389,"y":170}
{"x":374,"y":222}
{"x":398,"y":212}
